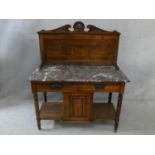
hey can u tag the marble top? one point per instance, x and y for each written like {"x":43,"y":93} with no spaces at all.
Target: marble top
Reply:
{"x":78,"y":73}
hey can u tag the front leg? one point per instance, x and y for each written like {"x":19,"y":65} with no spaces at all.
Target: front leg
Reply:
{"x":109,"y":98}
{"x":118,"y":110}
{"x":36,"y":104}
{"x":45,"y":96}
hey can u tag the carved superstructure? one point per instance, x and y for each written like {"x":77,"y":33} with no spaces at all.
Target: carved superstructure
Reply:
{"x":78,"y":27}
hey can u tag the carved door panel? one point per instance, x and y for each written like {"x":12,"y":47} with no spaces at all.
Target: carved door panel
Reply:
{"x":77,"y":107}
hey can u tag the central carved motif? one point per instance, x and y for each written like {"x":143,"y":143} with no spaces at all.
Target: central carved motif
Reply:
{"x":79,"y":26}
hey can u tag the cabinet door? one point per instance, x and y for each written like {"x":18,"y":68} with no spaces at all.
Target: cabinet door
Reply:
{"x":77,"y":107}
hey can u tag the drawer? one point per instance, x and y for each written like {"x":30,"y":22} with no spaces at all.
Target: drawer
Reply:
{"x":107,"y":87}
{"x":100,"y":87}
{"x":75,"y":87}
{"x":56,"y":87}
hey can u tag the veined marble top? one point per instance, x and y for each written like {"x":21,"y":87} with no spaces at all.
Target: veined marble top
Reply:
{"x":78,"y":73}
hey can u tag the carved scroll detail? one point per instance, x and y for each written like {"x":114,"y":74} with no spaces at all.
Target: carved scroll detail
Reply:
{"x":93,"y":28}
{"x":61,"y":29}
{"x":78,"y":27}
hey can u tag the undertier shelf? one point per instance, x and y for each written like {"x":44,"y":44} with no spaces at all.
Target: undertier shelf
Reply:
{"x":53,"y":111}
{"x":103,"y":111}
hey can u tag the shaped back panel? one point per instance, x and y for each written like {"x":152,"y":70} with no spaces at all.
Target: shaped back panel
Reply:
{"x":92,"y":47}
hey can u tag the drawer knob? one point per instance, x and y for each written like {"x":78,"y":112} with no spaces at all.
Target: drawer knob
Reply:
{"x":56,"y":85}
{"x":99,"y":86}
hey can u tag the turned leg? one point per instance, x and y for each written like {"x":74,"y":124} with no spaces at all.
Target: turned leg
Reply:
{"x":45,"y":96}
{"x":36,"y":104}
{"x":109,"y":98}
{"x":118,"y":110}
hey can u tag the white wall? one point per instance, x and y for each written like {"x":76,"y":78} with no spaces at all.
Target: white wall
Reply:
{"x":19,"y":53}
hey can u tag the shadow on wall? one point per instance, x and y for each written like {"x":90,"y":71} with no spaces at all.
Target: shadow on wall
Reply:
{"x":0,"y":78}
{"x":18,"y":50}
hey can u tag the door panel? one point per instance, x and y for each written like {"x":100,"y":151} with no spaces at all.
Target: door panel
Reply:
{"x":77,"y":107}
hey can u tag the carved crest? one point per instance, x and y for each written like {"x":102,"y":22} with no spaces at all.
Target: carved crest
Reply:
{"x":78,"y":27}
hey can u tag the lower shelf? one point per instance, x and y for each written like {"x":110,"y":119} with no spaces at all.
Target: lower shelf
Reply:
{"x":103,"y":111}
{"x":53,"y":111}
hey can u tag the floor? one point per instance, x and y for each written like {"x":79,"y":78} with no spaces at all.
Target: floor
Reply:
{"x":17,"y":116}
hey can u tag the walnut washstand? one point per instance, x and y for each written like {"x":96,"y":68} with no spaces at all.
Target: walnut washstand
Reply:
{"x":78,"y":63}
